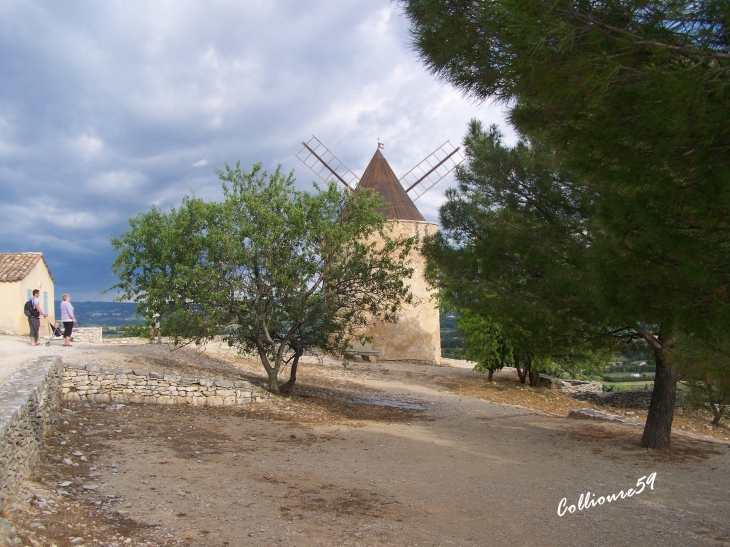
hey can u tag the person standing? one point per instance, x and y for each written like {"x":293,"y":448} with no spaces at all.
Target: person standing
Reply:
{"x":34,"y":320}
{"x":155,"y":327}
{"x":68,"y":319}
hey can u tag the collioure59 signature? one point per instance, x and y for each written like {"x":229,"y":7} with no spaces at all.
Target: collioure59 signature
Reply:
{"x":586,"y":502}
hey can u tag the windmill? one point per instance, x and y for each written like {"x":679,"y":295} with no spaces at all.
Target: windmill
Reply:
{"x":419,"y":180}
{"x":416,"y":333}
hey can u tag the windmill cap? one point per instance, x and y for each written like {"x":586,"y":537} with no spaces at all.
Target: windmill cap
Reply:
{"x":379,"y":176}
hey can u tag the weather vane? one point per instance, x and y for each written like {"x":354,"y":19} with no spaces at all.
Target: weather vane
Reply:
{"x":380,"y":144}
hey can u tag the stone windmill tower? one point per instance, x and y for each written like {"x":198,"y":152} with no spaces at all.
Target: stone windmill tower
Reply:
{"x":416,"y":333}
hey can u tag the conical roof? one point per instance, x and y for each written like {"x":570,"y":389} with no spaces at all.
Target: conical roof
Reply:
{"x":380,"y":177}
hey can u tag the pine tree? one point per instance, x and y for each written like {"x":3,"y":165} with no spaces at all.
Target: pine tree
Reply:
{"x":634,"y":98}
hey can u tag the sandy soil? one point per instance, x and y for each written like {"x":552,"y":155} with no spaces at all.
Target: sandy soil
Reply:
{"x":373,"y":454}
{"x":16,"y":351}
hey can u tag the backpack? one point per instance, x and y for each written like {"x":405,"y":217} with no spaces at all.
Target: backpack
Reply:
{"x":29,"y":309}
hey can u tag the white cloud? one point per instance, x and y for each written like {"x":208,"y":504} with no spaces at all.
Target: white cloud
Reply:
{"x":107,"y":107}
{"x":120,"y":184}
{"x":87,"y":146}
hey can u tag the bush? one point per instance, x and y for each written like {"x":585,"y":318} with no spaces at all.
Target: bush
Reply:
{"x":136,"y":330}
{"x":614,"y":388}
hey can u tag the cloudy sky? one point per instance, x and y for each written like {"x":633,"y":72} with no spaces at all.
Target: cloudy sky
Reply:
{"x":109,"y":107}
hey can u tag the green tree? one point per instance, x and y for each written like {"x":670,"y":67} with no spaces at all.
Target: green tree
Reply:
{"x":705,"y":369}
{"x":515,"y":247}
{"x":484,"y":343}
{"x":633,"y":97}
{"x":276,"y":271}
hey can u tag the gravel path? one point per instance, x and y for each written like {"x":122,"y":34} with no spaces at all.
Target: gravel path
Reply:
{"x":372,"y":454}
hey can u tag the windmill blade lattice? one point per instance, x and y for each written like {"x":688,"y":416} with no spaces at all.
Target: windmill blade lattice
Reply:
{"x":325,"y":164}
{"x":431,"y":170}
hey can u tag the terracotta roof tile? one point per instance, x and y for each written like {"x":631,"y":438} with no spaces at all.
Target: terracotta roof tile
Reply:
{"x":15,"y":266}
{"x":380,"y":177}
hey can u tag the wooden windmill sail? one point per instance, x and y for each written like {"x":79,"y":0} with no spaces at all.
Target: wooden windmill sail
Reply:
{"x":416,"y":182}
{"x":416,"y":333}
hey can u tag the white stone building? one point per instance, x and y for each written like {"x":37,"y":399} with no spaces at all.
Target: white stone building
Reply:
{"x":20,"y":274}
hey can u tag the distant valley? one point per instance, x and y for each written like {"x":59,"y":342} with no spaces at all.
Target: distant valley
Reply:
{"x":103,"y":314}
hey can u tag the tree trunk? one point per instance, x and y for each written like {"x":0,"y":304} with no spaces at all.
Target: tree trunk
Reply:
{"x":658,"y":427}
{"x":534,"y":377}
{"x":717,"y":418}
{"x":292,"y":377}
{"x":717,"y":410}
{"x":490,"y":375}
{"x":523,"y":368}
{"x":273,"y":374}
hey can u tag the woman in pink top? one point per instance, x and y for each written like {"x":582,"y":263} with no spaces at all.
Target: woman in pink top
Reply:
{"x":67,"y":318}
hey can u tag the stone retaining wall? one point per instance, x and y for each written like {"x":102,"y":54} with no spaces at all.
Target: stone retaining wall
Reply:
{"x":570,"y":386}
{"x":27,"y":401}
{"x":104,"y":385}
{"x":29,"y":398}
{"x":593,"y":392}
{"x":622,"y":399}
{"x":86,"y":335}
{"x":134,"y":340}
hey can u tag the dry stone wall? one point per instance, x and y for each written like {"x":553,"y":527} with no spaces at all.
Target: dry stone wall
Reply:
{"x":594,"y":393}
{"x":29,"y":399}
{"x":86,"y":335}
{"x":27,"y":402}
{"x":621,"y":399}
{"x":105,"y":385}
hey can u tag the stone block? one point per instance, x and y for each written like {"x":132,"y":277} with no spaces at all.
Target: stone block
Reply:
{"x":214,"y":401}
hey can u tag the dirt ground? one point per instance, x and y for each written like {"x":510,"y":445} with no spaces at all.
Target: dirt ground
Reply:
{"x":388,"y":453}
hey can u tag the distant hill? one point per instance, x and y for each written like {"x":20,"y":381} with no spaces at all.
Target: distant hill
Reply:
{"x":103,"y":314}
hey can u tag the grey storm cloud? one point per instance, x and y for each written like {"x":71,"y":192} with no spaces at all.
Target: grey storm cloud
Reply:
{"x":107,"y":108}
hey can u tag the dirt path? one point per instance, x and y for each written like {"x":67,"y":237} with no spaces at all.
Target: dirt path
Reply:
{"x":375,"y":454}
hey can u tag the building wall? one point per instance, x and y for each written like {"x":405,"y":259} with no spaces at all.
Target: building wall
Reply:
{"x":416,"y":335}
{"x":14,"y":295}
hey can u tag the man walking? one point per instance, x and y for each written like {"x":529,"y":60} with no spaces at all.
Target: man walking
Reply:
{"x":34,"y":320}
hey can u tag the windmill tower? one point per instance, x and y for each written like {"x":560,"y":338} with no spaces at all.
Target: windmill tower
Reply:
{"x":416,"y":333}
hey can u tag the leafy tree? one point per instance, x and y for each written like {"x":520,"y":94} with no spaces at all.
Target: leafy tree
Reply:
{"x":705,"y":370}
{"x":276,"y":271}
{"x":484,"y":343}
{"x":515,"y":247}
{"x":632,"y":95}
